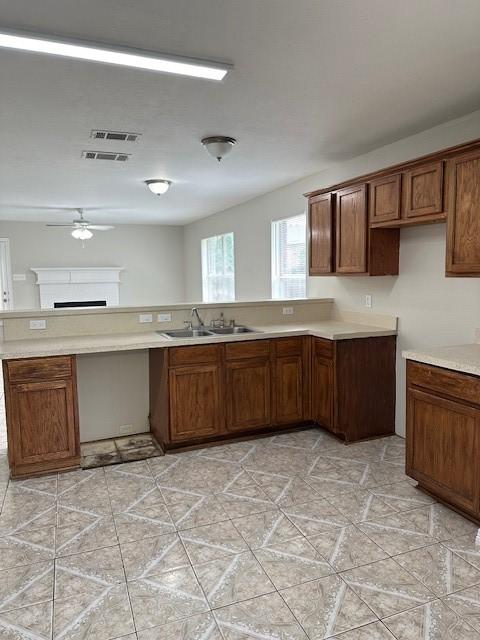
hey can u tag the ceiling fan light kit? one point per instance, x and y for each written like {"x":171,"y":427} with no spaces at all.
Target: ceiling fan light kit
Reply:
{"x":158,"y":187}
{"x":82,"y":233}
{"x":218,"y":146}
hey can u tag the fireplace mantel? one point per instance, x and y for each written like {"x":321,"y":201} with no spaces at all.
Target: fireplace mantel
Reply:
{"x":65,"y":284}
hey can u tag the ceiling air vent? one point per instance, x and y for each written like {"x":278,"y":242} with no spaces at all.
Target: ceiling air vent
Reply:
{"x":120,"y":136}
{"x":105,"y":155}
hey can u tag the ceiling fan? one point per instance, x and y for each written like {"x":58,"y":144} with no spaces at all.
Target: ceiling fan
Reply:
{"x":81,"y":228}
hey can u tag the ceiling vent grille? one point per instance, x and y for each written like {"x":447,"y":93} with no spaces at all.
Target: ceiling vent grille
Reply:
{"x":105,"y":155}
{"x":119,"y":136}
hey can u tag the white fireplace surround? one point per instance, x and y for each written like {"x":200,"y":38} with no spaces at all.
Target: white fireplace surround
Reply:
{"x":78,"y":284}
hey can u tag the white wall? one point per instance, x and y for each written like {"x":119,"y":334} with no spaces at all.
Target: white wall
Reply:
{"x":433,"y":310}
{"x":151,"y":254}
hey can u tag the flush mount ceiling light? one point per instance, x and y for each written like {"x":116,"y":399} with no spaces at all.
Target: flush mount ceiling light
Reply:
{"x":218,"y":146}
{"x":158,"y":187}
{"x":113,"y":54}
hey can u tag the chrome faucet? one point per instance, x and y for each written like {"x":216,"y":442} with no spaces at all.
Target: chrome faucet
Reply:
{"x":194,"y":313}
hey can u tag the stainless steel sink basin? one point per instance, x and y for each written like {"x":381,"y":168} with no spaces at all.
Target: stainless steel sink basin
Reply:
{"x":186,"y":333}
{"x":225,"y":331}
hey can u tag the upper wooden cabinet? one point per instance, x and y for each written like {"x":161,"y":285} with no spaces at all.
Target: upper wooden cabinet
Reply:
{"x":424,"y":190}
{"x":341,"y":242}
{"x":385,"y":198}
{"x":321,"y":235}
{"x":42,"y":414}
{"x":351,"y":230}
{"x":463,"y":223}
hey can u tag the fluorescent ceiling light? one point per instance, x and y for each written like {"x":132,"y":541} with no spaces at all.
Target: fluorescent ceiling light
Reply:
{"x":96,"y":52}
{"x":158,"y":187}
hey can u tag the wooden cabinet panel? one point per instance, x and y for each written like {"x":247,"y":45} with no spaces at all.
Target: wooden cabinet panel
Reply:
{"x":43,"y":421}
{"x":42,"y":414}
{"x":195,"y":402}
{"x":321,"y":237}
{"x":385,"y":198}
{"x":442,"y":447}
{"x":196,"y":354}
{"x":448,"y":383}
{"x":322,"y":392}
{"x":463,"y":222}
{"x":424,"y":190}
{"x":289,"y":381}
{"x":248,"y":349}
{"x":248,"y":394}
{"x":351,"y":230}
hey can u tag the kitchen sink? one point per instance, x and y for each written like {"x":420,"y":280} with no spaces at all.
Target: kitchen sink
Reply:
{"x":226,"y":331}
{"x":186,"y":333}
{"x":204,"y":333}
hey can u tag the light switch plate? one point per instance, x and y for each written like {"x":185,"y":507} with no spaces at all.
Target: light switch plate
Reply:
{"x":19,"y":277}
{"x":368,"y":301}
{"x":287,"y":311}
{"x":145,"y":317}
{"x":38,"y":324}
{"x":164,"y":317}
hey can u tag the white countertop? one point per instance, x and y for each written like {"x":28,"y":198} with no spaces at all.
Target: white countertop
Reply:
{"x":461,"y":357}
{"x":329,"y":329}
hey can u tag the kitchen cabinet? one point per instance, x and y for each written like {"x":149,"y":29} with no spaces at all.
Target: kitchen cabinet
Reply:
{"x":321,"y":234}
{"x":443,"y":434}
{"x":353,"y":388}
{"x":424,"y":186}
{"x":248,"y":385}
{"x":291,"y":380}
{"x":42,"y":414}
{"x":255,"y":386}
{"x":340,"y":241}
{"x":463,"y":223}
{"x":385,"y":198}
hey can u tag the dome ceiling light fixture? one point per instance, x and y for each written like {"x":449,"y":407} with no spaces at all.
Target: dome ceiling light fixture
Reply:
{"x":158,"y":187}
{"x":218,"y":146}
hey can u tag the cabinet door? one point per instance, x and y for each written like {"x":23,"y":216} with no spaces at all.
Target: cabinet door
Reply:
{"x":351,"y":230}
{"x":42,"y":423}
{"x":385,"y":198}
{"x":463,"y":222}
{"x":320,"y":228}
{"x":424,"y":190}
{"x":322,"y":391}
{"x":289,"y":383}
{"x":195,"y":397}
{"x":442,"y":447}
{"x":248,"y":394}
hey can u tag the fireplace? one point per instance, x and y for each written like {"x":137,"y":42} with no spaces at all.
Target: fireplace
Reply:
{"x":77,"y":287}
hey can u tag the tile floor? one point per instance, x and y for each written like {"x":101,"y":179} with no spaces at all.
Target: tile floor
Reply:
{"x":293,"y":537}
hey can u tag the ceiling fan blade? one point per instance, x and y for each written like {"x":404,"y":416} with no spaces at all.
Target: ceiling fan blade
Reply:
{"x":54,"y":224}
{"x":100,"y":227}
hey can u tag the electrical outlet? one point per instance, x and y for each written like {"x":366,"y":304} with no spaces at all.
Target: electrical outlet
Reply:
{"x":38,"y":324}
{"x":287,"y":311}
{"x":126,"y":429}
{"x":164,"y":317}
{"x":368,"y":301}
{"x":145,"y":317}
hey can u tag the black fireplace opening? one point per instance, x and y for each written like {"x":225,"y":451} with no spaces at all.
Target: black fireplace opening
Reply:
{"x":80,"y":303}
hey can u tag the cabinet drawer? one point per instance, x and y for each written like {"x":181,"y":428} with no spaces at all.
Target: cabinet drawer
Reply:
{"x":289,"y":346}
{"x":451,"y":383}
{"x":250,"y":349}
{"x":323,"y":348}
{"x":198,"y":354}
{"x":32,"y":369}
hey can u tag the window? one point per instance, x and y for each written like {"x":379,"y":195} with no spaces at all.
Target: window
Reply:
{"x":218,"y":268}
{"x":289,"y":257}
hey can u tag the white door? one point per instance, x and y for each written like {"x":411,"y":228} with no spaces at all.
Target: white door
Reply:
{"x":6,"y":297}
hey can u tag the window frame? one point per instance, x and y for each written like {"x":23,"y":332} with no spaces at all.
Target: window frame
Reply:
{"x":276,"y":275}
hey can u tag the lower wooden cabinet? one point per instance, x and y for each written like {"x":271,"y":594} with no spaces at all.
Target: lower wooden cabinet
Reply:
{"x":353,"y":386}
{"x":42,"y":414}
{"x":443,"y":434}
{"x":195,"y":401}
{"x":347,"y":386}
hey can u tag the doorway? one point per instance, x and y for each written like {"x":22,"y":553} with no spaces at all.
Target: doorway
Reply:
{"x":6,"y":303}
